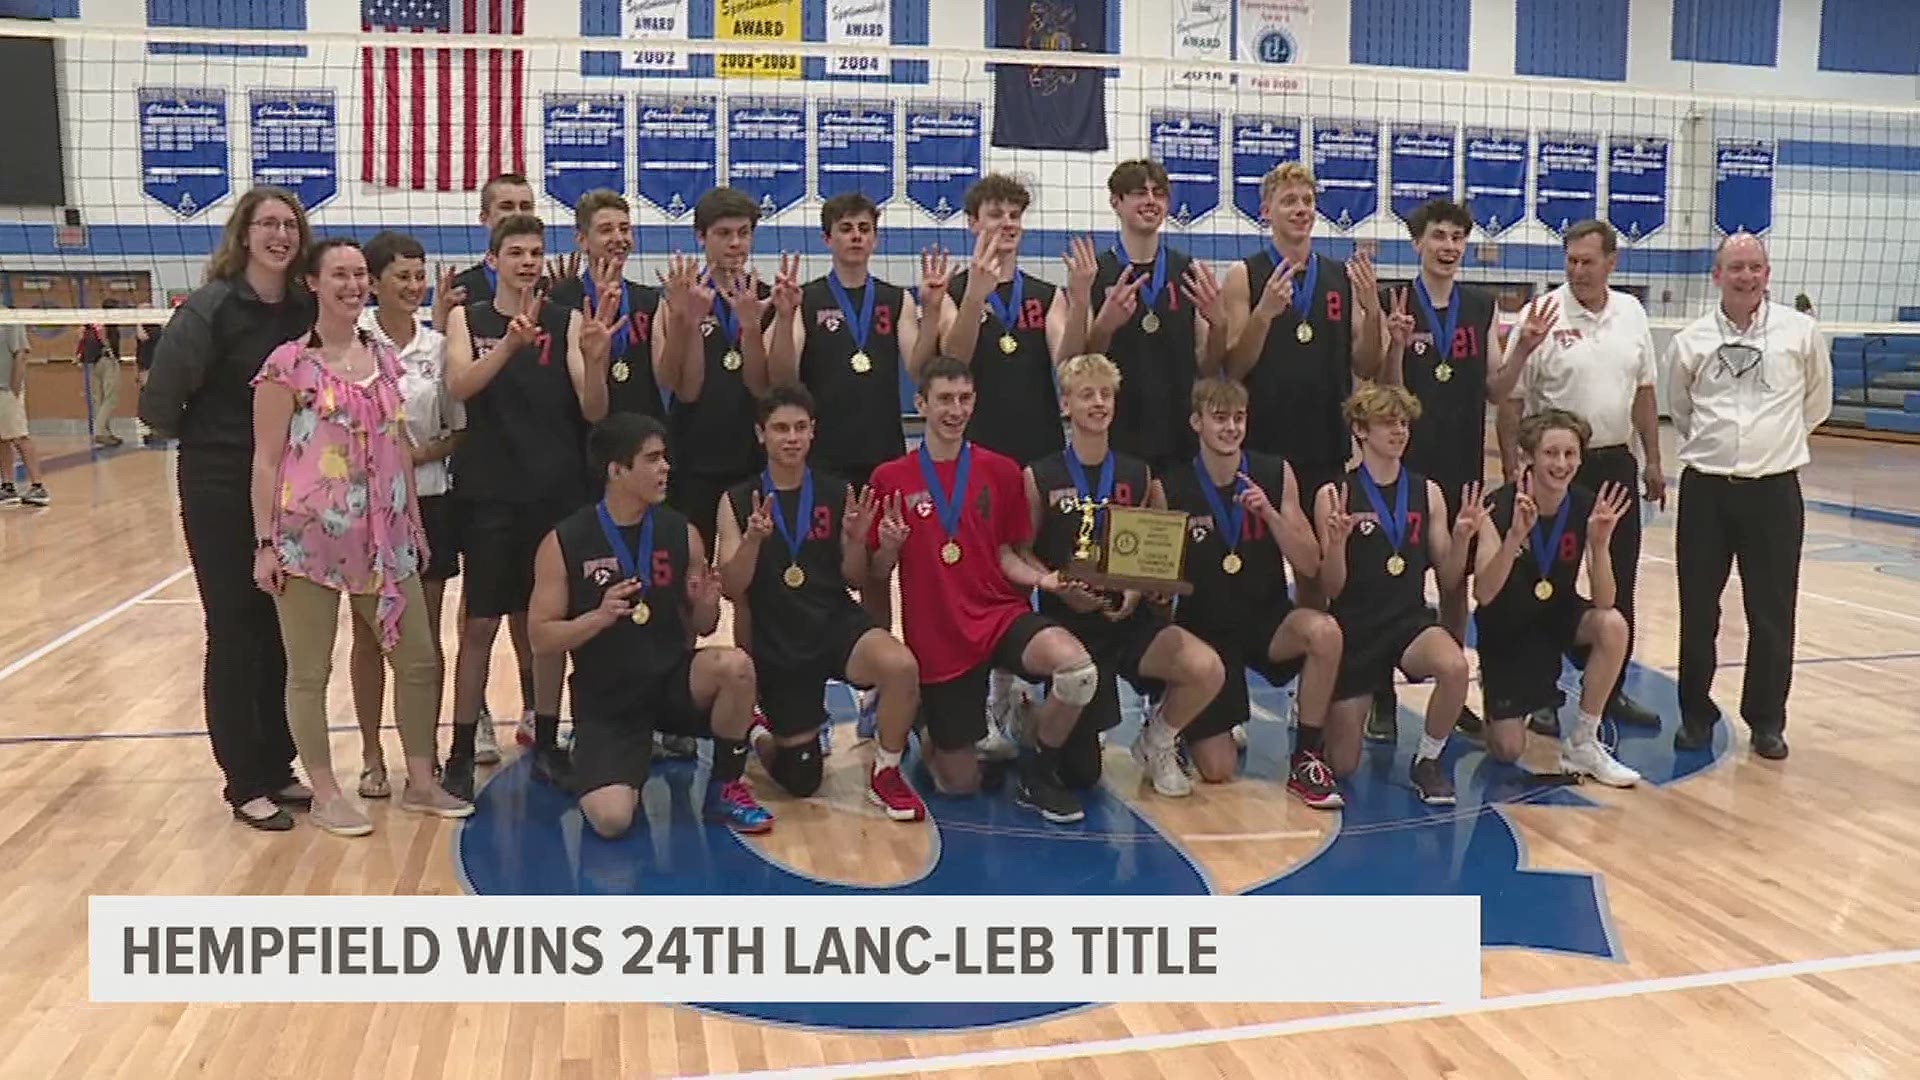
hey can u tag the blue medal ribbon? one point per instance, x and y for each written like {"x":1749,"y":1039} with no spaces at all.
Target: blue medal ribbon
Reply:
{"x":1008,"y":312}
{"x":492,"y":276}
{"x":859,"y":323}
{"x":947,"y":506}
{"x":1228,"y":523}
{"x":1394,"y":524}
{"x":1157,"y":284}
{"x":803,"y":514}
{"x":1443,"y":334}
{"x":1079,"y":473}
{"x":1545,"y":550}
{"x":723,"y":314}
{"x":1303,"y":284}
{"x":630,"y":561}
{"x":622,"y":332}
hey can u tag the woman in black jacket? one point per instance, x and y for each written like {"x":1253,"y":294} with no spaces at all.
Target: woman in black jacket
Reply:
{"x":199,"y":391}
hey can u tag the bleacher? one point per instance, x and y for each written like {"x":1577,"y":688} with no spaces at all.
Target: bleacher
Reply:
{"x":1876,"y":382}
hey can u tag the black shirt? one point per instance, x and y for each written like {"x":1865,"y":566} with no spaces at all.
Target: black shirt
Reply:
{"x":478,"y":282}
{"x":1059,"y":532}
{"x":617,"y":672}
{"x":639,"y":391}
{"x":526,"y":436}
{"x":1156,"y":370}
{"x":1449,"y":440}
{"x":1227,"y":607}
{"x":1017,"y":408}
{"x":201,"y":386}
{"x":1517,"y":606}
{"x":858,"y":411}
{"x":1296,"y":391}
{"x":1374,"y":599}
{"x":787,"y":622}
{"x":714,"y":436}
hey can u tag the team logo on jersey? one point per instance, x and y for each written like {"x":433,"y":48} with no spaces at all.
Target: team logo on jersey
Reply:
{"x":1199,"y":527}
{"x":1366,"y":526}
{"x":830,"y":320}
{"x":1566,"y":337}
{"x":922,"y":503}
{"x":1067,"y":499}
{"x":601,"y":572}
{"x":1422,"y":342}
{"x":708,"y":325}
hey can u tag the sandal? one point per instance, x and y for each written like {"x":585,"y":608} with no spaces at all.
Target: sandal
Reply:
{"x":374,"y":785}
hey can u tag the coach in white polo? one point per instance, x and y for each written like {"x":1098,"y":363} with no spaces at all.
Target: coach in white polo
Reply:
{"x":1746,"y":385}
{"x":1590,"y":351}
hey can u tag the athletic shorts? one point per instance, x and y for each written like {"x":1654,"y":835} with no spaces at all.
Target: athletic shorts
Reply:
{"x":499,"y":541}
{"x":955,"y":711}
{"x":1520,"y":666}
{"x":13,"y":416}
{"x":793,"y":697}
{"x":1118,"y":649}
{"x":443,"y":538}
{"x":1370,"y":658}
{"x":1232,"y":706}
{"x":619,"y":749}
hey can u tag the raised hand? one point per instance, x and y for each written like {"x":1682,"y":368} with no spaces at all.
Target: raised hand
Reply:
{"x":703,"y":585}
{"x":1122,"y":300}
{"x":936,"y":271}
{"x":1253,"y":497}
{"x":1083,"y":265}
{"x":1366,"y":283}
{"x":983,"y":274}
{"x":1473,"y":511}
{"x":599,"y":311}
{"x":742,"y":293}
{"x":1611,"y":503}
{"x":1203,"y":292}
{"x":894,"y":529}
{"x":1340,"y":521}
{"x":1525,"y":512}
{"x":786,"y":286}
{"x":1399,"y":320}
{"x":446,"y":297}
{"x":760,"y":518}
{"x":1538,"y":324}
{"x":617,"y":602}
{"x":565,"y":268}
{"x":524,"y":328}
{"x":856,"y":517}
{"x":685,"y":286}
{"x":1277,"y":297}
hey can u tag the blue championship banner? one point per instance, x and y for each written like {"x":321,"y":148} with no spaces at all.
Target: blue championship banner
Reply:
{"x":1422,"y":161}
{"x":183,"y":148}
{"x":1743,"y":186}
{"x":679,"y":144}
{"x":1259,"y":144}
{"x":1188,"y":144}
{"x":1496,"y":178}
{"x":1346,"y":162}
{"x":1637,"y":186}
{"x":293,"y":133}
{"x":585,"y":139}
{"x":767,"y":151}
{"x":943,"y":156}
{"x":855,"y":140}
{"x":1569,"y":186}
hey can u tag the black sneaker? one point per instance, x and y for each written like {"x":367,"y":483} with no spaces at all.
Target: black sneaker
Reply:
{"x":9,"y":494}
{"x":1694,"y":733}
{"x":1627,"y":712}
{"x":553,"y":767}
{"x":1043,"y":793}
{"x":1770,"y":745}
{"x":1469,"y":723}
{"x":36,"y":496}
{"x":1383,"y":722}
{"x":1431,"y":782}
{"x":457,"y":778}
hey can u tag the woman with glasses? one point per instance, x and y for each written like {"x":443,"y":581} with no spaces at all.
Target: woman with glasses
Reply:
{"x":200,"y":392}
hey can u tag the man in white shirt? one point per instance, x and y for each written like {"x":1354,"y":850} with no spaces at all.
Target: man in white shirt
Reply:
{"x":1746,"y":385}
{"x":1589,"y":350}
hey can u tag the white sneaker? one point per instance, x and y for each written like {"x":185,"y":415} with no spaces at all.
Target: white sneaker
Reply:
{"x":1161,"y":764}
{"x":1239,"y":736}
{"x":486,"y":742}
{"x":1003,"y":718}
{"x":1589,"y":758}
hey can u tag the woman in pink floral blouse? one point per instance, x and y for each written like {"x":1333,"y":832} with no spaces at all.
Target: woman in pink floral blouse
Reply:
{"x":333,"y":498}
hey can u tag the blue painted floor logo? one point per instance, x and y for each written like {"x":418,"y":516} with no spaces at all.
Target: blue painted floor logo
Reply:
{"x":528,"y":840}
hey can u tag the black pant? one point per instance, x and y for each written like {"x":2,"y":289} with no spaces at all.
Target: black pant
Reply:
{"x":246,"y":667}
{"x":1616,"y":464}
{"x":1761,"y":524}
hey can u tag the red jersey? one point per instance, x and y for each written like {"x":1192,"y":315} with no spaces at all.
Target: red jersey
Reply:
{"x":955,"y":615}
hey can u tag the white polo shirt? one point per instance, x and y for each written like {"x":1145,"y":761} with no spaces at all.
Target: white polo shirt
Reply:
{"x":1591,"y":364}
{"x":430,"y":411}
{"x":1753,"y":423}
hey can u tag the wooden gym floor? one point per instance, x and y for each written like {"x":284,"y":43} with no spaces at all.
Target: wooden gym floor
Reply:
{"x":1736,"y":918}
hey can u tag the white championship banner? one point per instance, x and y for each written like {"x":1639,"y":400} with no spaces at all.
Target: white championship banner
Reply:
{"x":785,"y":949}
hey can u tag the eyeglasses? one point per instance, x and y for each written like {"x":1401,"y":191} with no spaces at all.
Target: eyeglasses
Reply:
{"x":280,"y":225}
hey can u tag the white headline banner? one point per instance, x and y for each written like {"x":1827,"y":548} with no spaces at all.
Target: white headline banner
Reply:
{"x":785,"y":949}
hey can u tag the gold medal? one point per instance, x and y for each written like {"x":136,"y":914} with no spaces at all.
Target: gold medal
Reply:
{"x":1231,"y":563}
{"x":1151,"y":322}
{"x":1009,"y":344}
{"x":861,"y":363}
{"x":950,"y":552}
{"x":641,"y":613}
{"x":1304,"y":335}
{"x":1544,"y":590}
{"x":731,"y":361}
{"x":621,"y":372}
{"x":1396,"y":565}
{"x":1443,"y":371}
{"x":794,"y":577}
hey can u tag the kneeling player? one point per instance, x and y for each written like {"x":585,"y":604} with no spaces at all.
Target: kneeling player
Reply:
{"x":1529,"y":615}
{"x":805,"y":627}
{"x":1240,"y":604}
{"x":623,"y":585}
{"x":953,"y":518}
{"x":1124,"y":638}
{"x":1376,"y":547}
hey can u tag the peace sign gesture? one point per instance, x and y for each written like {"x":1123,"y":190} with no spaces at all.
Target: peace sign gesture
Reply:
{"x":1525,"y":511}
{"x":1399,"y":320}
{"x":1610,"y":504}
{"x":1541,"y":314}
{"x":1340,"y":520}
{"x":856,"y":517}
{"x":893,"y":524}
{"x":760,"y":518}
{"x":786,"y":285}
{"x":1122,"y":300}
{"x":446,"y":297}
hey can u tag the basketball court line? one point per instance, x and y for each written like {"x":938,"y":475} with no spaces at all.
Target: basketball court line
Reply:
{"x":1181,"y":1040}
{"x":104,"y":617}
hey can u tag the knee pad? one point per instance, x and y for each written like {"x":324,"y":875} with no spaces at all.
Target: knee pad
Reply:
{"x":797,"y":768}
{"x":1077,"y":685}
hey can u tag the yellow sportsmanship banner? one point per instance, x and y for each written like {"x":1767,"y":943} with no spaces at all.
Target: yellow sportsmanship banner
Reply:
{"x":757,"y":20}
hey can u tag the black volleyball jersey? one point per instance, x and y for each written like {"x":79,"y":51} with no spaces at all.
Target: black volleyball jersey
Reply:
{"x":1017,"y":407}
{"x":478,"y":280}
{"x":787,"y":620}
{"x":1516,"y":604}
{"x":857,"y":409}
{"x":631,"y":386}
{"x":714,"y":435}
{"x":1223,"y":606}
{"x":526,"y":436}
{"x":1060,"y":518}
{"x":1449,"y":440}
{"x":617,"y":672}
{"x":1157,"y":370}
{"x":1373,"y":597}
{"x":1296,"y":390}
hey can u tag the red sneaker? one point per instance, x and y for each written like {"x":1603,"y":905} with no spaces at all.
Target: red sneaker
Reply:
{"x":1313,"y":781}
{"x":889,"y":791}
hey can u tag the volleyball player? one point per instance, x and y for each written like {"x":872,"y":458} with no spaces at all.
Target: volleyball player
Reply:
{"x":532,"y":375}
{"x":790,"y":541}
{"x":953,"y":517}
{"x":1449,"y":362}
{"x":500,"y":198}
{"x":1300,"y":329}
{"x":1125,"y":638}
{"x":1142,"y":320}
{"x":1377,"y":542}
{"x":1529,"y":612}
{"x":623,"y":586}
{"x":603,"y":233}
{"x":1239,"y":533}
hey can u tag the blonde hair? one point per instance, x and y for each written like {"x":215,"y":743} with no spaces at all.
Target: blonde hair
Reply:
{"x":1088,"y":367}
{"x":1217,"y":393}
{"x":1286,"y":174}
{"x":1375,"y":402}
{"x":229,"y":259}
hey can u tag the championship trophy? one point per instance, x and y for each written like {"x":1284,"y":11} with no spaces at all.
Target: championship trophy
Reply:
{"x":1139,"y":548}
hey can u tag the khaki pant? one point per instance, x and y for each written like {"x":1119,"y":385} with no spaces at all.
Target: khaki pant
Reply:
{"x":103,"y":383}
{"x":309,"y":618}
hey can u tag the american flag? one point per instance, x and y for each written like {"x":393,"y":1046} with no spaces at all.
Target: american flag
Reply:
{"x":441,"y":119}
